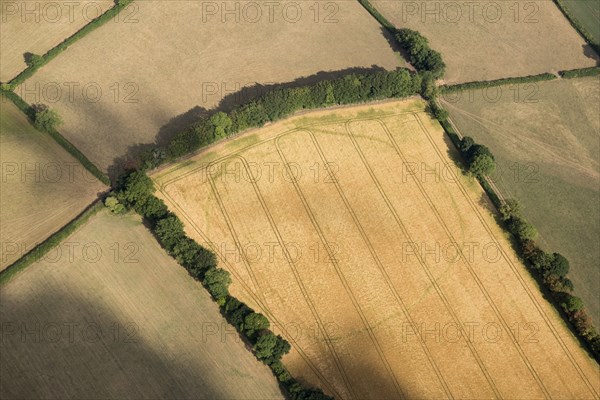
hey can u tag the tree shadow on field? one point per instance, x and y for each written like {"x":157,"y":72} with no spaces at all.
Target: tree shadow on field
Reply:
{"x":389,"y":37}
{"x":589,"y":52}
{"x":61,"y":345}
{"x":246,"y":94}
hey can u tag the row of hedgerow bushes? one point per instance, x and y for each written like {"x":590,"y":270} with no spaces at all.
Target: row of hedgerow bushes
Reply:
{"x":281,"y":103}
{"x":579,"y":73}
{"x":136,"y":191}
{"x":578,"y":26}
{"x":46,"y":120}
{"x":54,"y":240}
{"x":35,"y":61}
{"x":550,"y":269}
{"x":497,"y":82}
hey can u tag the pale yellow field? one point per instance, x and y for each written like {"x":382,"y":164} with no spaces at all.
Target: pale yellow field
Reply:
{"x":485,"y":40}
{"x":355,"y":233}
{"x":38,"y":26}
{"x":109,"y":315}
{"x":42,"y":187}
{"x":135,"y":82}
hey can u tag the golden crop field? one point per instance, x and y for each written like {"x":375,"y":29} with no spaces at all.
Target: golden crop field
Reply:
{"x":486,"y":40}
{"x":42,"y":187}
{"x":108,"y":314}
{"x":356,"y":234}
{"x":38,"y":26}
{"x":128,"y":84}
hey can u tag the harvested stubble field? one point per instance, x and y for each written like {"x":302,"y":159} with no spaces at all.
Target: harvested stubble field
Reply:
{"x":355,"y":233}
{"x":42,"y":187}
{"x":545,"y":140}
{"x":108,"y":314}
{"x":182,"y":57}
{"x":37,"y":26}
{"x":486,"y":40}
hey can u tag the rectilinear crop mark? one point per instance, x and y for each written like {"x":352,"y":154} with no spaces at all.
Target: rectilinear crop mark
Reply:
{"x":404,"y":231}
{"x":289,"y":261}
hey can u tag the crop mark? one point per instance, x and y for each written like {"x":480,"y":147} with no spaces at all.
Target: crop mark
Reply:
{"x":511,"y":264}
{"x":291,"y":264}
{"x":258,"y":301}
{"x":466,"y":262}
{"x":423,"y":264}
{"x":339,"y":272}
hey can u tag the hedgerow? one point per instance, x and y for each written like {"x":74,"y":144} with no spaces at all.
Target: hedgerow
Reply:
{"x":578,"y":73}
{"x":281,"y":103}
{"x":497,"y":82}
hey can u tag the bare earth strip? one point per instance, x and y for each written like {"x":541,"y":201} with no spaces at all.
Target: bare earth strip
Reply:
{"x":37,"y":26}
{"x":108,"y":314}
{"x":152,"y":75}
{"x":43,"y":187}
{"x":353,"y":229}
{"x":488,"y":40}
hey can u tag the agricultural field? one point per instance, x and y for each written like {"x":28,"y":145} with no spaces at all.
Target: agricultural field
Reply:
{"x":42,"y":187}
{"x":108,"y":314}
{"x":587,"y":13}
{"x":36,"y":27}
{"x":134,"y":85}
{"x":488,"y":40}
{"x":545,"y":140}
{"x":356,"y":234}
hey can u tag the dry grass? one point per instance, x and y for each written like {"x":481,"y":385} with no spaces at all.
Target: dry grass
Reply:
{"x":194,"y":66}
{"x":488,"y":40}
{"x":43,"y":187}
{"x":327,"y":257}
{"x":545,"y":140}
{"x":38,"y":26}
{"x":119,"y":320}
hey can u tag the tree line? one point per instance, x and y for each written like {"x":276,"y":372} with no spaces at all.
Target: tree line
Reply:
{"x":135,"y":191}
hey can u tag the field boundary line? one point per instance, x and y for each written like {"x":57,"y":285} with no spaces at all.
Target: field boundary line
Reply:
{"x":467,"y":263}
{"x":514,"y":270}
{"x":423,"y":263}
{"x":339,"y":272}
{"x":252,"y":295}
{"x":312,"y":307}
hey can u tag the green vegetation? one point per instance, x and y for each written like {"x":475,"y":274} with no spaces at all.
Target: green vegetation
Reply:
{"x":43,"y":248}
{"x":421,"y":56}
{"x":46,"y":119}
{"x":280,"y":103}
{"x":579,"y":73}
{"x":136,"y":191}
{"x":35,"y":62}
{"x":497,"y":82}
